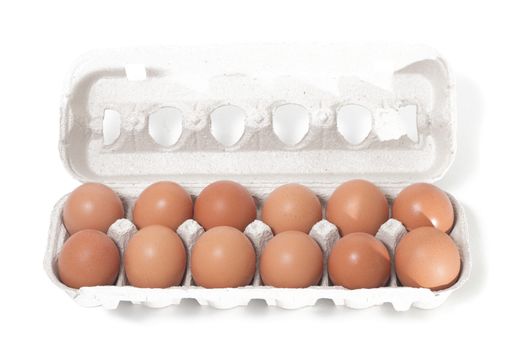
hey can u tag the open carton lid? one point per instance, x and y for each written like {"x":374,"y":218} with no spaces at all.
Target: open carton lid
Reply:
{"x":127,"y":86}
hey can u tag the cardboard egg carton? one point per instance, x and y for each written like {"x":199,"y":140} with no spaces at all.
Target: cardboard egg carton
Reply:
{"x":250,"y":86}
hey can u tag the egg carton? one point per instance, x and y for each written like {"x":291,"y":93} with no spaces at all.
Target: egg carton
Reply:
{"x":253,"y":83}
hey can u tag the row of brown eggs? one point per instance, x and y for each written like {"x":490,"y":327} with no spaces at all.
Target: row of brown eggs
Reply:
{"x":224,"y":257}
{"x":355,"y":206}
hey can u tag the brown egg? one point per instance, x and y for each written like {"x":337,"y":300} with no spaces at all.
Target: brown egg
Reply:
{"x":88,"y":258}
{"x":427,"y":258}
{"x":225,"y":203}
{"x":155,"y":258}
{"x":357,"y":206}
{"x":291,"y":207}
{"x":423,"y":204}
{"x":292,"y":259}
{"x":359,"y":260}
{"x":163,"y":203}
{"x":223,"y":257}
{"x":91,"y":206}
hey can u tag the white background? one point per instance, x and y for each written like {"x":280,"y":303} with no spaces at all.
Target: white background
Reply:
{"x":483,"y":44}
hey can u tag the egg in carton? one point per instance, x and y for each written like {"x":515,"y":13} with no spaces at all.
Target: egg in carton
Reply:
{"x":224,"y":103}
